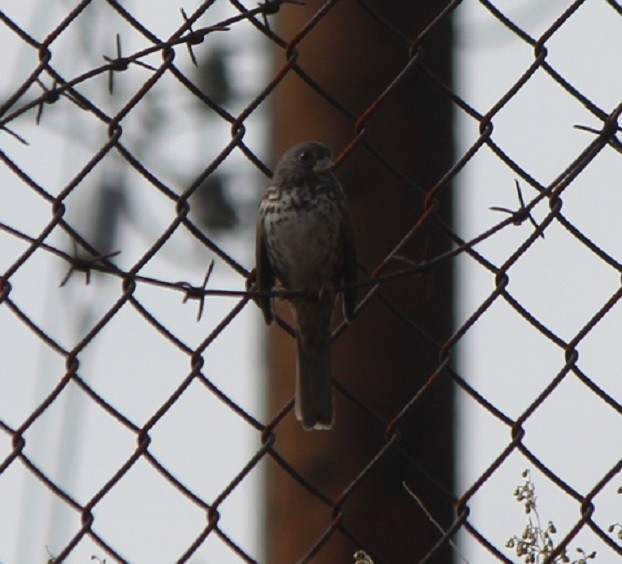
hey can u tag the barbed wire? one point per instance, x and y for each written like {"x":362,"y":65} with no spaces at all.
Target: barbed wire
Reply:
{"x":56,"y":87}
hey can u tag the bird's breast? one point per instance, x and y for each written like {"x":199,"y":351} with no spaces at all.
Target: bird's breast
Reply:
{"x":302,"y":238}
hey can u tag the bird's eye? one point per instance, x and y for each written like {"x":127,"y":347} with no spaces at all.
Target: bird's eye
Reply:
{"x":304,"y":156}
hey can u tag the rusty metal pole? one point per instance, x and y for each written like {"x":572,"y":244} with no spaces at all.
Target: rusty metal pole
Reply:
{"x":380,"y":357}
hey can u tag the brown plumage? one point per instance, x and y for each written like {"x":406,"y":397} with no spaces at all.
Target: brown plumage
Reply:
{"x":305,"y":242}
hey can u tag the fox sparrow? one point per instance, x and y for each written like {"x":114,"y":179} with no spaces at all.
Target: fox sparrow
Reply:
{"x":305,"y":242}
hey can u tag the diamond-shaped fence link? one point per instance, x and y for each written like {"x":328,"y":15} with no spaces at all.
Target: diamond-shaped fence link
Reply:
{"x":116,"y":86}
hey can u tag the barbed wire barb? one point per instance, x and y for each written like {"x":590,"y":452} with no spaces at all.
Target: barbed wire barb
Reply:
{"x":613,"y":141}
{"x":522,"y":213}
{"x":199,"y":293}
{"x":191,"y":42}
{"x":80,"y":264}
{"x":271,"y":7}
{"x":121,"y":63}
{"x":14,"y":135}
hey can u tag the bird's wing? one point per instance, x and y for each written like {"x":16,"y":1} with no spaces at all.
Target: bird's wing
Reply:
{"x":264,"y":275}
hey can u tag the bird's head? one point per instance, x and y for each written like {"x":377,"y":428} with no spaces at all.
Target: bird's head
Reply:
{"x":304,"y":160}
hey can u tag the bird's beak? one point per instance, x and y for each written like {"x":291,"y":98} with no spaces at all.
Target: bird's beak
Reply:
{"x":324,"y":165}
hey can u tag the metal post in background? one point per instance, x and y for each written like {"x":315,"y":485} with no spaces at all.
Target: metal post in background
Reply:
{"x":381,"y":358}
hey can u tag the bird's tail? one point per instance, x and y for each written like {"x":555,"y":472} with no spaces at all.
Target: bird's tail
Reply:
{"x":314,"y":388}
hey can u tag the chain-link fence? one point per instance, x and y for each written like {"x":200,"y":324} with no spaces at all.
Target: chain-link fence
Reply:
{"x":136,"y":152}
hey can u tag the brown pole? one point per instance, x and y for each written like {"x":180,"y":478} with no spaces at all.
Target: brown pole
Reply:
{"x":381,"y":358}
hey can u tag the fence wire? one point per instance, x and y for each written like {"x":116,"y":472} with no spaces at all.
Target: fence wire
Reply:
{"x":43,"y":83}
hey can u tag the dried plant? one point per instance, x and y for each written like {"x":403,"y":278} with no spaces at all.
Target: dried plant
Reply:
{"x":536,"y":543}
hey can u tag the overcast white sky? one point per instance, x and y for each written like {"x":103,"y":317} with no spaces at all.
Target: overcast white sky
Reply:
{"x":199,"y":440}
{"x":502,"y":356}
{"x":557,"y":280}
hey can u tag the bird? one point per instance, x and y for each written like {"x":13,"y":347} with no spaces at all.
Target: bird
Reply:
{"x":305,"y":244}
